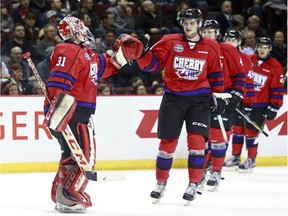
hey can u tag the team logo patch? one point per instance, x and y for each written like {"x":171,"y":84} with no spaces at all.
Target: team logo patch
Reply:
{"x":178,"y":48}
{"x":87,"y":56}
{"x":188,"y":68}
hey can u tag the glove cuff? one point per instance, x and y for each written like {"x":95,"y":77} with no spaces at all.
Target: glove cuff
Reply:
{"x":272,"y":108}
{"x":237,"y":93}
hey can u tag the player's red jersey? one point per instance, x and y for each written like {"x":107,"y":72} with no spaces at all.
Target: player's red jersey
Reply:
{"x":249,"y":98}
{"x":191,"y":68}
{"x":233,"y":74}
{"x":267,"y":75}
{"x":76,"y":70}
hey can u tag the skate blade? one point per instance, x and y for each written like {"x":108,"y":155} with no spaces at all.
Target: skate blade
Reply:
{"x":77,"y":208}
{"x":212,"y":188}
{"x":187,"y":203}
{"x":156,"y":201}
{"x":243,"y":171}
{"x":201,"y":188}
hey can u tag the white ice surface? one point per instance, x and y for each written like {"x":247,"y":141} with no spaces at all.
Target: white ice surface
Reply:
{"x":261,"y":193}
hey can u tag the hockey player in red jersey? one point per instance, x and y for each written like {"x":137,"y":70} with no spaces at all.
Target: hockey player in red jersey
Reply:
{"x":267,"y":74}
{"x":75,"y":71}
{"x":192,"y":73}
{"x":234,"y":83}
{"x":234,"y":38}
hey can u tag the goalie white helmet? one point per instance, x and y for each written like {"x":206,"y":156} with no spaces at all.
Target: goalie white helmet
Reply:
{"x":72,"y":28}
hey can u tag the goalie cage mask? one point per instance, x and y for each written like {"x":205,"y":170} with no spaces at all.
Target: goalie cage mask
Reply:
{"x":73,"y":28}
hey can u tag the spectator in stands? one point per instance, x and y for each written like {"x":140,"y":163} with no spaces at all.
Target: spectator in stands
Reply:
{"x":157,"y":89}
{"x":279,"y":48}
{"x":56,"y":6}
{"x":87,"y":6}
{"x":51,"y":18}
{"x":180,"y":9}
{"x":122,"y":20}
{"x":18,"y":39}
{"x":7,"y":22}
{"x":276,"y":15}
{"x":50,"y":33}
{"x":250,"y":42}
{"x":86,"y":20}
{"x":69,"y":6}
{"x":31,"y":32}
{"x":16,"y":77}
{"x":106,"y":25}
{"x":139,"y":89}
{"x":254,"y":25}
{"x":43,"y":67}
{"x":37,"y":89}
{"x":237,"y":22}
{"x":4,"y":74}
{"x":149,"y":21}
{"x":19,"y":13}
{"x":107,"y":43}
{"x":225,"y":17}
{"x":104,"y":89}
{"x":16,"y":56}
{"x":200,"y":4}
{"x":10,"y":89}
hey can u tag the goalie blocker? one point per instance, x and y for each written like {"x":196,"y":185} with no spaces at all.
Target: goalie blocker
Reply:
{"x":60,"y":111}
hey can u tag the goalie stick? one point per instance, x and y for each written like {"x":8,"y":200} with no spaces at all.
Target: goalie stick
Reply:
{"x":246,"y":118}
{"x":67,"y":133}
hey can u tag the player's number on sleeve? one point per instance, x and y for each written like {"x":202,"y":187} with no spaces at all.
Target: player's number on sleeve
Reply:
{"x":61,"y":61}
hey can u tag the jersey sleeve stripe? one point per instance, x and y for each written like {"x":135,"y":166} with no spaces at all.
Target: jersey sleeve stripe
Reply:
{"x":64,"y":76}
{"x":219,"y":83}
{"x":250,"y":94}
{"x":102,"y":66}
{"x":280,"y":97}
{"x":240,"y":83}
{"x":276,"y":90}
{"x":215,"y":74}
{"x":239,"y":75}
{"x":58,"y":85}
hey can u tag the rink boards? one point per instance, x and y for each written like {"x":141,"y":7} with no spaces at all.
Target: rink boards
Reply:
{"x":125,"y":131}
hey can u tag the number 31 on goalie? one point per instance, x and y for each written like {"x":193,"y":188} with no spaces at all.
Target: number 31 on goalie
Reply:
{"x":61,"y":61}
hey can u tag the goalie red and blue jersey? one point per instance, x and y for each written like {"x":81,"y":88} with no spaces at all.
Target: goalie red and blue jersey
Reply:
{"x":69,"y":65}
{"x":191,"y":68}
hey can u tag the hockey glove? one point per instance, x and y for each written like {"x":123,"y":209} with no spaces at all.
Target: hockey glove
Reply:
{"x":235,"y":100}
{"x":219,"y":107}
{"x":127,"y":48}
{"x":271,"y":111}
{"x":245,"y":109}
{"x":145,"y":41}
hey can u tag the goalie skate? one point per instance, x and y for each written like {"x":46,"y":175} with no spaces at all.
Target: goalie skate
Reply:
{"x":158,"y":192}
{"x":77,"y":208}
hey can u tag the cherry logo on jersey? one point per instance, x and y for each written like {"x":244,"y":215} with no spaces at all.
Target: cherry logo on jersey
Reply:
{"x":259,"y":79}
{"x":94,"y":72}
{"x":188,"y":68}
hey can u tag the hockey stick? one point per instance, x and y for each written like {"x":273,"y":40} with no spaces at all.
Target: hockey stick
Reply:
{"x":251,"y":122}
{"x":219,"y":117}
{"x":67,"y":133}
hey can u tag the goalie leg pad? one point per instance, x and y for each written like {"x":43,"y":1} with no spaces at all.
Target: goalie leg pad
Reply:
{"x":60,"y":112}
{"x":70,"y":177}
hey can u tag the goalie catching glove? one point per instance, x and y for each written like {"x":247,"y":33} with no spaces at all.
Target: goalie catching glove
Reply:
{"x":127,"y":48}
{"x":60,"y":111}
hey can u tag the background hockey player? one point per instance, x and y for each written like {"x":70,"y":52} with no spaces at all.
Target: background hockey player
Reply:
{"x":267,"y":74}
{"x":75,"y":71}
{"x":234,"y":83}
{"x":234,"y":38}
{"x":192,"y":73}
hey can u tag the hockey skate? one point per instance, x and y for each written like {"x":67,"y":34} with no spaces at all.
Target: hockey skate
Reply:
{"x":214,"y":181}
{"x":205,"y":176}
{"x":190,"y":193}
{"x":77,"y":208}
{"x":233,"y":160}
{"x":249,"y":164}
{"x":158,"y":192}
